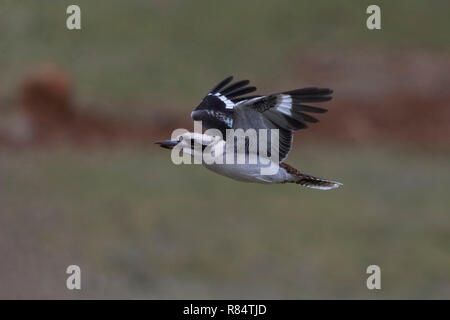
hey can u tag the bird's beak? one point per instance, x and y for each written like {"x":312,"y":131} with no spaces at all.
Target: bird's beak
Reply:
{"x":168,"y":144}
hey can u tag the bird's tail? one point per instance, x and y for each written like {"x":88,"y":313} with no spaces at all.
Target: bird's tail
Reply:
{"x":309,"y":181}
{"x":316,"y":183}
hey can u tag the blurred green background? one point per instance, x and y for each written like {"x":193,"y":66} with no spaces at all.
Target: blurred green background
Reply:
{"x":141,"y":227}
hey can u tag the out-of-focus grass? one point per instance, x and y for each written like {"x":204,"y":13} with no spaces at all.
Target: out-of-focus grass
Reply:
{"x":141,"y":227}
{"x":165,"y":51}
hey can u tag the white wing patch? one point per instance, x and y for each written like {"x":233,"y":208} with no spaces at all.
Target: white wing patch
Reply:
{"x":228,"y":103}
{"x":284,"y":104}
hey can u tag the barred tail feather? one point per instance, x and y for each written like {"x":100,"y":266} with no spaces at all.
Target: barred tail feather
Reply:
{"x":316,"y":183}
{"x":309,"y":181}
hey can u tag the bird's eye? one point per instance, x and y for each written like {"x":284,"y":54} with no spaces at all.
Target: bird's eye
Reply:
{"x":180,"y":139}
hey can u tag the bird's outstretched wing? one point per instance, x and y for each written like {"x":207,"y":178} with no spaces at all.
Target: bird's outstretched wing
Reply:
{"x":217,"y":108}
{"x":285,"y":111}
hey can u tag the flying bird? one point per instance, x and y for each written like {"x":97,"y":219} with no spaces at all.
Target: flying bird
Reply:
{"x":227,"y":107}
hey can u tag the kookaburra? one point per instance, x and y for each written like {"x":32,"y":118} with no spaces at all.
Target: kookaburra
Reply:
{"x":231,"y":117}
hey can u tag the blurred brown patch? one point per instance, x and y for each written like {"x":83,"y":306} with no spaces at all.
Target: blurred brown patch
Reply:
{"x":46,"y":104}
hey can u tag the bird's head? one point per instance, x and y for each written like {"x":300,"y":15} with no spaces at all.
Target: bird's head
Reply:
{"x":188,"y":140}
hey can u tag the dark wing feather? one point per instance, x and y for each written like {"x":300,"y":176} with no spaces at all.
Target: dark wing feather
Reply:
{"x":235,"y":86}
{"x":241,"y":92}
{"x":216,"y":109}
{"x":221,"y":84}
